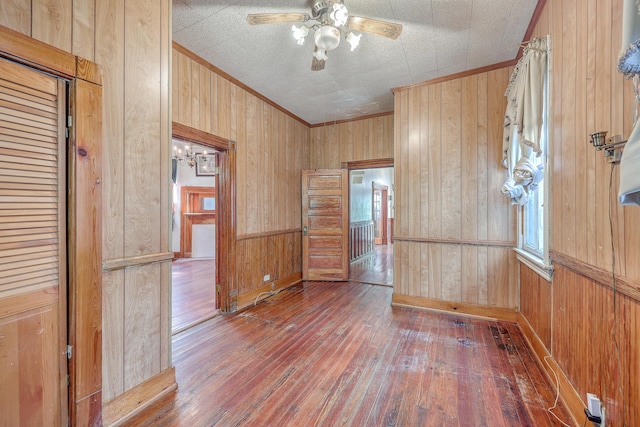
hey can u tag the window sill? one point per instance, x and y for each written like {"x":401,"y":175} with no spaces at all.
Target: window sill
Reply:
{"x":535,"y":263}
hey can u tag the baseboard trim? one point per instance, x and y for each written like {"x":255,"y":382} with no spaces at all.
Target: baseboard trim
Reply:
{"x":249,"y":298}
{"x":117,"y":411}
{"x":568,"y":394}
{"x":494,"y":313}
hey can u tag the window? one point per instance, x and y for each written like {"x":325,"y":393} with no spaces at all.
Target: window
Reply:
{"x":525,"y":152}
{"x":533,"y":218}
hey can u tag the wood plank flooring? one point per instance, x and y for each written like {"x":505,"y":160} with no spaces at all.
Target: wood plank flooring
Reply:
{"x":331,"y":354}
{"x":193,"y":292}
{"x":376,"y":268}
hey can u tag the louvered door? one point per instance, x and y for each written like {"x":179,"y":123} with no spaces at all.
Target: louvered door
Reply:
{"x":32,"y":248}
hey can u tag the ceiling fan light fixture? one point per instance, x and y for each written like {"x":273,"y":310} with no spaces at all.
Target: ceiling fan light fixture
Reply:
{"x":327,"y":37}
{"x":299,"y":33}
{"x":339,"y":14}
{"x":353,"y":39}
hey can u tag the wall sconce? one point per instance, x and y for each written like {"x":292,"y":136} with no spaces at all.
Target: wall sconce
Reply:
{"x":612,"y":146}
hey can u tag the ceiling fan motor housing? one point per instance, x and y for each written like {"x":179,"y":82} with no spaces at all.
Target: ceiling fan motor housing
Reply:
{"x":321,"y":9}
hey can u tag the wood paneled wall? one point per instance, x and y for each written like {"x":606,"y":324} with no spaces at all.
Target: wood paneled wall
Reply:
{"x":130,"y":42}
{"x":453,"y":227}
{"x":366,"y":139}
{"x":575,"y":317}
{"x":576,"y":320}
{"x":588,"y":95}
{"x":271,"y":151}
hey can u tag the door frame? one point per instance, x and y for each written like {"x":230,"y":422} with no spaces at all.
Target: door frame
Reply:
{"x":384,"y":214}
{"x":84,"y":199}
{"x":365,"y":164}
{"x":225,"y":206}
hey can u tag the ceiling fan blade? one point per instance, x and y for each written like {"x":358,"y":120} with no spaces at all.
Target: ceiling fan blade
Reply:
{"x":276,"y":18}
{"x":317,"y":64}
{"x":368,"y":25}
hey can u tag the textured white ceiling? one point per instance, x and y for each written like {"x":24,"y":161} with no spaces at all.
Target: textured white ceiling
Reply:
{"x":439,"y":38}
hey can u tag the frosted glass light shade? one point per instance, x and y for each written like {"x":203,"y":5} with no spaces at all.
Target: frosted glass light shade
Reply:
{"x":327,"y":37}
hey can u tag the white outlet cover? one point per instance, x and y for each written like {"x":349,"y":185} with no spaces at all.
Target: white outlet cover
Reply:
{"x":267,"y":277}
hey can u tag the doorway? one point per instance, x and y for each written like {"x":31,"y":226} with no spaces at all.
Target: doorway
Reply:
{"x":194,"y":287}
{"x":371,"y":217}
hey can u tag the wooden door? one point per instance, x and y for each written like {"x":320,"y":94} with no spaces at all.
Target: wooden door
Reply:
{"x":379,"y":214}
{"x":325,"y":222}
{"x":33,"y":286}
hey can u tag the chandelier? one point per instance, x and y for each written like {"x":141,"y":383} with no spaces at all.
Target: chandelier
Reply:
{"x":188,"y":157}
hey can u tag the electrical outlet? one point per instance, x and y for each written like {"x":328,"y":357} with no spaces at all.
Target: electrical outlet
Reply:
{"x":593,"y":404}
{"x":267,"y":277}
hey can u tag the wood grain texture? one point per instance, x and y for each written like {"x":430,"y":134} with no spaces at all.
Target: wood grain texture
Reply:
{"x":52,"y":22}
{"x":42,"y":56}
{"x":448,"y":203}
{"x":85,"y":237}
{"x":141,"y":324}
{"x":142,"y":168}
{"x":118,"y":411}
{"x":83,"y":29}
{"x":581,"y":300}
{"x":535,"y":303}
{"x":363,"y":139}
{"x":269,"y":155}
{"x":29,"y":367}
{"x":63,"y":27}
{"x":278,"y":256}
{"x":588,"y":95}
{"x":269,"y":142}
{"x":33,"y":247}
{"x":132,"y":47}
{"x":16,"y":15}
{"x":309,"y":358}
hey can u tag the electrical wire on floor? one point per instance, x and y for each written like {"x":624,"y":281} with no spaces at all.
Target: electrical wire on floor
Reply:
{"x":555,"y":403}
{"x":615,"y":295}
{"x":270,"y":293}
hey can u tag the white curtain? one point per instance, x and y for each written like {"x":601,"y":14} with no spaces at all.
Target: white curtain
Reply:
{"x":523,"y":122}
{"x":629,"y":65}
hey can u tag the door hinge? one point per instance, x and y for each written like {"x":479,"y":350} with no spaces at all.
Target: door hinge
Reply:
{"x":69,"y":351}
{"x":218,"y":288}
{"x":69,"y":124}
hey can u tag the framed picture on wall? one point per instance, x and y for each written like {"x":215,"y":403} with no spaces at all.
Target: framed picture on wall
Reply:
{"x":205,"y":165}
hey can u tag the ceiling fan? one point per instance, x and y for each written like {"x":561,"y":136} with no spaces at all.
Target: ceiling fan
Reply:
{"x":330,"y":20}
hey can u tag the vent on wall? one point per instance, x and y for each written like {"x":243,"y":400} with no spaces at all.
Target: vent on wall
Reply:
{"x":357,"y":177}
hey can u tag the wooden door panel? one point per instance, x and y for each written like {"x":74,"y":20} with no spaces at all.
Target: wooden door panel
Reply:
{"x":325,"y":219}
{"x":325,"y":203}
{"x":33,"y":251}
{"x":319,"y":244}
{"x":30,"y":394}
{"x":323,"y":222}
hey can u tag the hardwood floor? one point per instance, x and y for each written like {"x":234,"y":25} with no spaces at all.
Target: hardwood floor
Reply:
{"x":193,"y":292}
{"x":376,"y":268}
{"x":330,"y":354}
